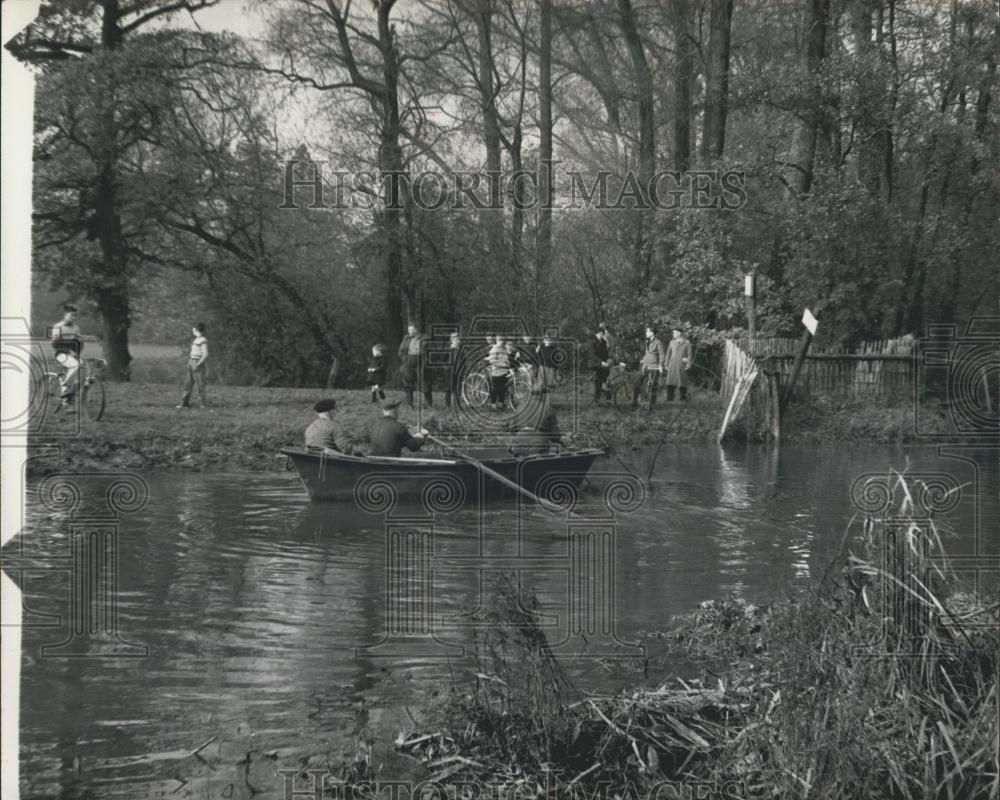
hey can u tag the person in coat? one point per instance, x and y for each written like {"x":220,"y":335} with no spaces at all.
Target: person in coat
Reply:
{"x":324,"y":433}
{"x":454,"y":385}
{"x":413,"y":367}
{"x":548,"y":359}
{"x":376,"y":372}
{"x":676,"y":365}
{"x":537,"y":432}
{"x":389,"y":436}
{"x":600,"y":363}
{"x":653,"y":359}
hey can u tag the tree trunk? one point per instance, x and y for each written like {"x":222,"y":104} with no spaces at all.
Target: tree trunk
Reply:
{"x":110,"y":285}
{"x":681,"y":19}
{"x":518,"y":201}
{"x":817,"y":17}
{"x":113,"y":305}
{"x":395,"y":191}
{"x":641,"y":252}
{"x":713,"y":140}
{"x":866,"y":118}
{"x":491,"y":130}
{"x":545,"y":177}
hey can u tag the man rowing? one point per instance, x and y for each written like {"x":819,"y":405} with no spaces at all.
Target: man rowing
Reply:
{"x":390,"y":436}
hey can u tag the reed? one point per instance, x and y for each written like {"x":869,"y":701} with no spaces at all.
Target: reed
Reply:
{"x":878,"y":682}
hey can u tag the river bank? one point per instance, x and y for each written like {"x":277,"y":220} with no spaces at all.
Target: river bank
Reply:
{"x":836,"y":692}
{"x":247,"y":426}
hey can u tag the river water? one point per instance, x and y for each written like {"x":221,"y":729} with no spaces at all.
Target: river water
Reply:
{"x":262,"y":629}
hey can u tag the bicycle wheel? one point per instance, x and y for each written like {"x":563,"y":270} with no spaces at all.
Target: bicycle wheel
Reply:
{"x":519,"y":390}
{"x":93,"y":400}
{"x":646,"y":394}
{"x":475,"y":390}
{"x":44,"y":393}
{"x":584,"y":389}
{"x":623,"y":397}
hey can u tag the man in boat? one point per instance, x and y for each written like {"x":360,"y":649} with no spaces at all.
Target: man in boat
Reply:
{"x":390,"y":436}
{"x":324,"y":433}
{"x":542,"y":434}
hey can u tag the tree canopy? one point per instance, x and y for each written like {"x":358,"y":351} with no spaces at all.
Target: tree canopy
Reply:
{"x":846,"y":151}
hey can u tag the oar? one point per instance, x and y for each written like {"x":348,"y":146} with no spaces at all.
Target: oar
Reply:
{"x":549,"y":506}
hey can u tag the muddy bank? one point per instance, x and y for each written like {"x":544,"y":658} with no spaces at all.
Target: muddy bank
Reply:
{"x":247,"y":426}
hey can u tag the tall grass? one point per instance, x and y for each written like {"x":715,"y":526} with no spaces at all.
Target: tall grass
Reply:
{"x":879,"y":682}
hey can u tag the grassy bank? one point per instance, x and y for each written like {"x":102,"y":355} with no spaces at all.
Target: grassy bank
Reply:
{"x":247,"y":426}
{"x":870,"y":685}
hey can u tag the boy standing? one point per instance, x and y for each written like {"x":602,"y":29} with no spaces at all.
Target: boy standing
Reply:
{"x":454,"y":372}
{"x":196,"y":367}
{"x":376,"y":372}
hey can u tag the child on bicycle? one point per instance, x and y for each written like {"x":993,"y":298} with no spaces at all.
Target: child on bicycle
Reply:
{"x":376,"y":372}
{"x":67,"y":342}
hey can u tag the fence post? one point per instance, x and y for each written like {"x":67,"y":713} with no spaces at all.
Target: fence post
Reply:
{"x":773,"y":390}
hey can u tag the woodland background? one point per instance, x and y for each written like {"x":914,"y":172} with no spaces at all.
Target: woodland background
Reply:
{"x":866,"y":129}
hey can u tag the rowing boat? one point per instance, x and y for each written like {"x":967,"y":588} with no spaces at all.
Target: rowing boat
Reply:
{"x":366,"y":480}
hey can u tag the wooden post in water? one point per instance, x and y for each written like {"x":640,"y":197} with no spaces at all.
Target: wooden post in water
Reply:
{"x":750,"y":290}
{"x":810,"y":322}
{"x":773,"y":390}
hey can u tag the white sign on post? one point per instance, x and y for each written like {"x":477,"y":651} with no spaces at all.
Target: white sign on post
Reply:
{"x":748,"y":285}
{"x":810,"y":322}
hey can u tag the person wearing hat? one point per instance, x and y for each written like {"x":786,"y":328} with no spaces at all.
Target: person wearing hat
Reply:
{"x":413,"y":366}
{"x":67,"y":342}
{"x":653,"y":359}
{"x":676,"y":364}
{"x":323,"y":433}
{"x":390,"y":436}
{"x":600,"y":363}
{"x":538,"y":432}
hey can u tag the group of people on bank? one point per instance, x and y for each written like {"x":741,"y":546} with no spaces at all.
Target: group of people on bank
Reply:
{"x":539,"y":360}
{"x":534,"y":426}
{"x":501,"y":358}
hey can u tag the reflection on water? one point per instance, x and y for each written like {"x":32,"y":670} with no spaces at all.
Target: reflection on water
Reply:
{"x":252,"y":603}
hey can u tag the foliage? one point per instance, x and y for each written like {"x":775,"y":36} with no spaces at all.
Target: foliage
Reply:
{"x":869,"y":172}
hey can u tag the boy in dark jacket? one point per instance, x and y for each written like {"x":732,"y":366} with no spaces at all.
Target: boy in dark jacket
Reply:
{"x":376,"y":372}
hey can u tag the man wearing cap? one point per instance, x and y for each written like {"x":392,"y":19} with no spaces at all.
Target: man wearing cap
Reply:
{"x":413,"y":367}
{"x":390,"y":436}
{"x":67,"y":344}
{"x":324,"y":434}
{"x":676,"y":364}
{"x":540,"y":432}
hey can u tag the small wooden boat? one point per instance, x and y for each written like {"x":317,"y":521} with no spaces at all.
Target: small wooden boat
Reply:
{"x":370,"y":481}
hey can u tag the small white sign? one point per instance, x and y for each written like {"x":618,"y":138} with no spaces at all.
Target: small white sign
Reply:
{"x":748,"y":285}
{"x":810,"y":321}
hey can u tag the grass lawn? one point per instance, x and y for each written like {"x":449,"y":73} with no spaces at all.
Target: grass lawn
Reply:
{"x":247,"y":426}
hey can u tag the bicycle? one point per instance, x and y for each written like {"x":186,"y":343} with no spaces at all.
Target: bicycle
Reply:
{"x":476,"y":388}
{"x":625,"y":391}
{"x":90,"y":383}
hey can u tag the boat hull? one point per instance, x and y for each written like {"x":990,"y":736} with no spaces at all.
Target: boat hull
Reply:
{"x":442,"y":484}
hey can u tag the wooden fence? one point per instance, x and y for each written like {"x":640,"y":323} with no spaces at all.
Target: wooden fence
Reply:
{"x":883,"y":369}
